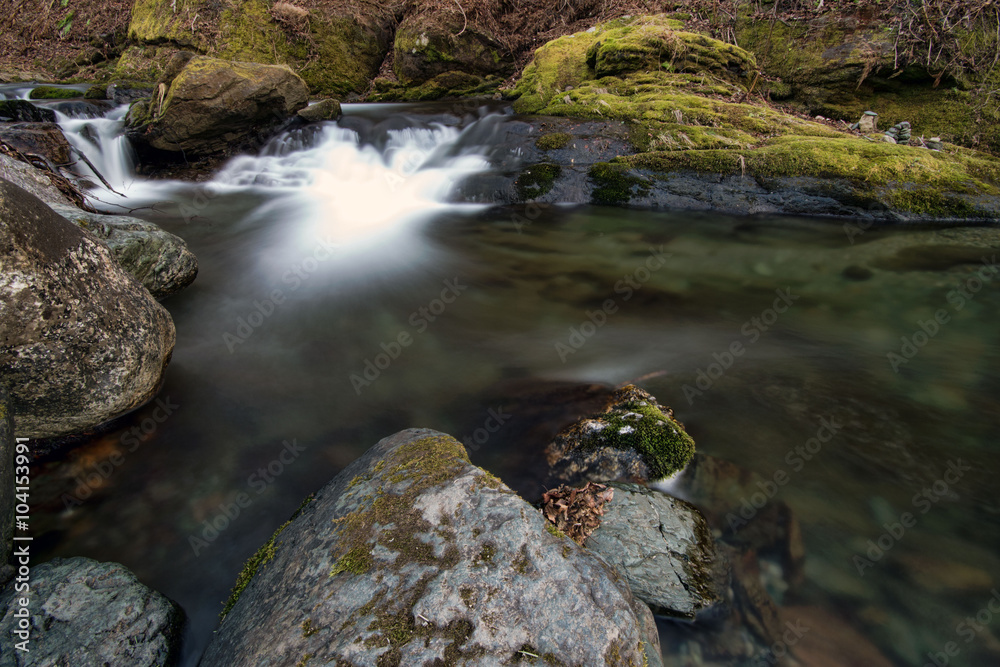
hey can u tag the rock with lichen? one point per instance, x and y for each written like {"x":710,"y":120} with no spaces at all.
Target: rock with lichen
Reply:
{"x":413,"y":556}
{"x":633,"y":439}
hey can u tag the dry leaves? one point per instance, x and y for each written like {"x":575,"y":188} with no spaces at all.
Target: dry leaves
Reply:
{"x":576,"y":511}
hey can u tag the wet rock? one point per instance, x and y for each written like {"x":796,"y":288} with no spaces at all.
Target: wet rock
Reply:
{"x":663,"y":547}
{"x":90,"y":614}
{"x":157,"y":259}
{"x":25,"y":112}
{"x":6,"y":486}
{"x":124,"y":93}
{"x":215,"y":106}
{"x":82,"y":108}
{"x":81,"y":341}
{"x":44,"y":139}
{"x":633,"y":439}
{"x":31,"y":179}
{"x":324,"y":110}
{"x":53,"y":93}
{"x":412,"y":555}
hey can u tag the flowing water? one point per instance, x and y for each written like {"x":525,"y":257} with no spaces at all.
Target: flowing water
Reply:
{"x":340,"y":299}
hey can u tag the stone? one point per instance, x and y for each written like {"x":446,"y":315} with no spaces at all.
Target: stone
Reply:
{"x":123,"y":93}
{"x":90,"y":614}
{"x":328,"y":109}
{"x":868,"y":123}
{"x":156,"y":258}
{"x":431,"y":43}
{"x":412,"y":556}
{"x":25,"y":112}
{"x":81,"y":341}
{"x":633,"y":439}
{"x":44,"y":139}
{"x":214,"y":106}
{"x":664,"y":549}
{"x":6,"y":486}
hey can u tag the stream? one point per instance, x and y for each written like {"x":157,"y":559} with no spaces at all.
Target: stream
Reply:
{"x":342,"y":297}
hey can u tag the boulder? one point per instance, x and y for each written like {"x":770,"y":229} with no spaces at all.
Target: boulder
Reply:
{"x":328,"y":109}
{"x":633,"y":439}
{"x":434,"y":42}
{"x":6,"y":486}
{"x":25,"y":112}
{"x":81,"y":341}
{"x":44,"y":139}
{"x":90,"y":614}
{"x":157,"y":259}
{"x":664,"y":549}
{"x":215,"y":106}
{"x":413,"y":556}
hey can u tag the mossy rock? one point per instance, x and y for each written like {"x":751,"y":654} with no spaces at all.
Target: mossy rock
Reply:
{"x":553,"y":141}
{"x":96,"y":92}
{"x":537,"y":180}
{"x":632,"y":439}
{"x":450,"y":85}
{"x":430,"y":43}
{"x":53,"y":93}
{"x":906,"y":178}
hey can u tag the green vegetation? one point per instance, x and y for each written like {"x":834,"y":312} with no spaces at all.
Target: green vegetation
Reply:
{"x":537,"y":180}
{"x":659,"y":439}
{"x":614,"y":186}
{"x":553,"y":141}
{"x":53,"y":93}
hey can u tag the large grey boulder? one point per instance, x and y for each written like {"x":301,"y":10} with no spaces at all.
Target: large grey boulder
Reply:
{"x":413,"y":556}
{"x":156,"y":258}
{"x":81,"y":341}
{"x":212,"y":106}
{"x":664,"y":549}
{"x":6,"y":486}
{"x":83,"y":613}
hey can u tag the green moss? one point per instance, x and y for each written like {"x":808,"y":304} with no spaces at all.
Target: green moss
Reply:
{"x":614,"y":186}
{"x":537,"y":180}
{"x":258,"y":560}
{"x":485,"y":555}
{"x":305,"y":660}
{"x":308,"y":629}
{"x":356,"y":561}
{"x":53,"y":93}
{"x":555,"y":532}
{"x":96,"y":92}
{"x":446,"y":85}
{"x":659,"y":439}
{"x":909,"y":178}
{"x":345,"y":58}
{"x":159,"y":21}
{"x":553,"y":141}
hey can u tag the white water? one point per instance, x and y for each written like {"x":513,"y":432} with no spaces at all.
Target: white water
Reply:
{"x":328,"y":183}
{"x":102,"y":142}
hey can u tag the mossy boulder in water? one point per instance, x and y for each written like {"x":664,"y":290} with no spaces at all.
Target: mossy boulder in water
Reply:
{"x":53,"y":93}
{"x":413,"y":556}
{"x":633,"y":439}
{"x":214,"y":106}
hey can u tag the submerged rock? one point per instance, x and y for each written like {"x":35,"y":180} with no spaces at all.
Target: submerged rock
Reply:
{"x":90,"y":614}
{"x":412,"y":556}
{"x":663,"y":547}
{"x":81,"y":341}
{"x":214,"y":106}
{"x":633,"y":439}
{"x":157,"y":259}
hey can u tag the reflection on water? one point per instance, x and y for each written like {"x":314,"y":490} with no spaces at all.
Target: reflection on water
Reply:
{"x":271,"y":333}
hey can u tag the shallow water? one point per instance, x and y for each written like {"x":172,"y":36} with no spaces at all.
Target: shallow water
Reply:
{"x":289,"y":311}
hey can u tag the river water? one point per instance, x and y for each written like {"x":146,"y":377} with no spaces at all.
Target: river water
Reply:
{"x":341,"y":298}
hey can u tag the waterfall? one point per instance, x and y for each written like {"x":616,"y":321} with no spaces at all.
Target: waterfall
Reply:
{"x":106,"y":150}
